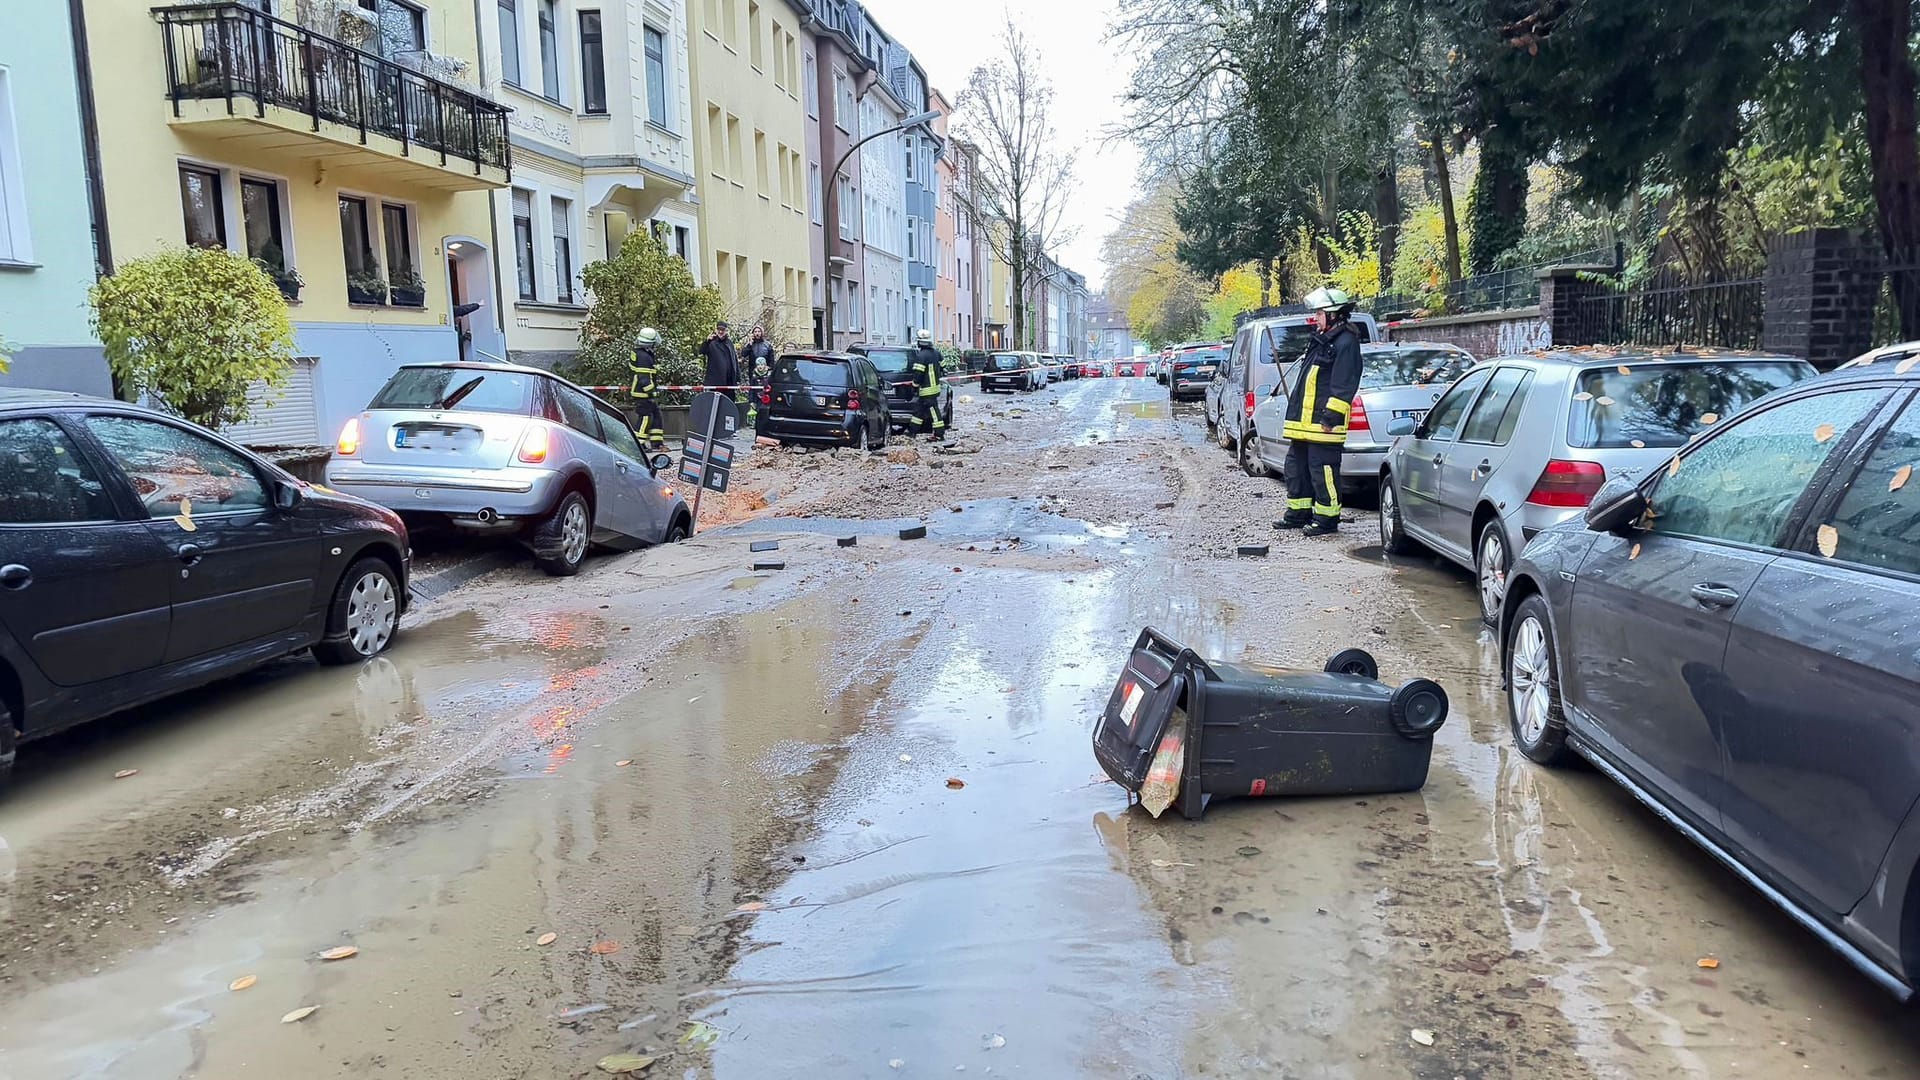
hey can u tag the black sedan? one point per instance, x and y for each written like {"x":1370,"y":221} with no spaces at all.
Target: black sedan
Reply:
{"x":141,"y":556}
{"x":1732,"y":639}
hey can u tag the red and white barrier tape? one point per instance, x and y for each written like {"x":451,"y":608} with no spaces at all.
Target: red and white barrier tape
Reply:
{"x":761,"y":386}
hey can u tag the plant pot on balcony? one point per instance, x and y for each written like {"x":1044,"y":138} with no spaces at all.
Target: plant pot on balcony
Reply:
{"x":414,"y":298}
{"x":365,"y":295}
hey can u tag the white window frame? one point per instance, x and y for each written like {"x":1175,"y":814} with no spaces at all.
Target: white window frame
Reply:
{"x":844,"y":105}
{"x":233,"y":212}
{"x":810,"y":93}
{"x":666,"y":73}
{"x":16,"y":232}
{"x":815,"y":200}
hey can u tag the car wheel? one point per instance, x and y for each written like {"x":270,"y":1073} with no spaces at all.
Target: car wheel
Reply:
{"x":1393,"y":533}
{"x":1213,"y":429}
{"x":1490,"y":565}
{"x":860,"y":436}
{"x":1250,"y":462}
{"x":9,"y":740}
{"x":560,"y":542}
{"x":886,"y":432}
{"x":677,"y":531}
{"x":1533,"y":686}
{"x":364,"y":615}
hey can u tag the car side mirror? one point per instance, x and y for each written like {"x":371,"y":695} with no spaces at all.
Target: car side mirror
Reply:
{"x":1402,"y":425}
{"x":660,"y":463}
{"x":286,"y":496}
{"x":1617,"y":505}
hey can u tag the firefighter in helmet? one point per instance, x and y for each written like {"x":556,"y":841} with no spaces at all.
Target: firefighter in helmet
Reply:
{"x":926,"y":380}
{"x":645,"y":379}
{"x":1327,"y":378}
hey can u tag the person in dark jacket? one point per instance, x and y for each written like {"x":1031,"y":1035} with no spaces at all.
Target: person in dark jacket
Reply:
{"x":645,"y":377}
{"x":756,"y":367}
{"x":926,"y":380}
{"x":723,"y":367}
{"x":1317,"y":407}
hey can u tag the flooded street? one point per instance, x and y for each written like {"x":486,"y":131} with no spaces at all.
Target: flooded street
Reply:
{"x":842,"y":820}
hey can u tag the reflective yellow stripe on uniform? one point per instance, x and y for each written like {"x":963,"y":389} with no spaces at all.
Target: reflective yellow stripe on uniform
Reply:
{"x":1339,"y":406}
{"x":1333,"y":492}
{"x":1305,"y":429}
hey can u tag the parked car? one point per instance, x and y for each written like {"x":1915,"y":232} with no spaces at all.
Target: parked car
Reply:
{"x":1013,"y":371}
{"x":1397,"y":379}
{"x":1261,"y":347}
{"x":141,"y":556}
{"x":1728,"y":638}
{"x":826,"y":399}
{"x":895,"y":365}
{"x":1522,"y":443}
{"x":1192,"y":369}
{"x":974,"y":360}
{"x":1069,"y":367}
{"x":1162,"y":363}
{"x":502,"y":448}
{"x":1056,"y":368}
{"x":1093,"y":369}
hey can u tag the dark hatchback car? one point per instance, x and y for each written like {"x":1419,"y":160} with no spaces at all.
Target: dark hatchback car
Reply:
{"x":1732,"y":638}
{"x":825,"y":399}
{"x":1192,"y":369}
{"x":895,"y":365}
{"x":141,"y":556}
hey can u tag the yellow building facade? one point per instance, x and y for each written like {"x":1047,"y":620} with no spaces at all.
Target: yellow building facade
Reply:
{"x":346,"y":146}
{"x":750,"y":144}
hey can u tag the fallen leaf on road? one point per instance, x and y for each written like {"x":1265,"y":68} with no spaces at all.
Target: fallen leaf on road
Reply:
{"x":626,"y":1063}
{"x":242,"y":983}
{"x":546,"y":939}
{"x":1707,"y":962}
{"x":1829,"y":538}
{"x":124,"y":773}
{"x":1422,"y":1036}
{"x":1823,"y":433}
{"x":700,"y":1034}
{"x":623,"y":764}
{"x":1163,"y":864}
{"x":956,"y":783}
{"x":1634,"y":554}
{"x":299,"y":1014}
{"x":752,"y":905}
{"x":1900,"y":477}
{"x":1249,"y":851}
{"x":340,"y":952}
{"x":604,"y":948}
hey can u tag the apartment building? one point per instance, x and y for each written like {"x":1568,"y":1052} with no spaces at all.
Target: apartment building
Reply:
{"x":601,"y":131}
{"x":47,"y":246}
{"x":921,"y":148}
{"x":348,"y":146}
{"x":751,"y":164}
{"x":946,"y":288}
{"x":969,"y":253}
{"x":835,"y":69}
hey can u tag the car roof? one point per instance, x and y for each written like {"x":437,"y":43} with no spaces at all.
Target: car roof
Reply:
{"x":821,"y":354}
{"x":25,"y":397}
{"x":471,"y":365}
{"x":1391,"y":346}
{"x":1590,"y":355}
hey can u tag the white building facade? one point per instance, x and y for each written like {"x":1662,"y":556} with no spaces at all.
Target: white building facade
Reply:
{"x":883,"y":196}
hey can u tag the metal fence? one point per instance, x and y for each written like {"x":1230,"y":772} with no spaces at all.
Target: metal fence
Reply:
{"x":1515,"y":287}
{"x":1669,"y":310}
{"x":228,"y":51}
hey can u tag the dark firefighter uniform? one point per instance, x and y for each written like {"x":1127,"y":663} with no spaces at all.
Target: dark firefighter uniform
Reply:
{"x":646,"y":409}
{"x":1316,"y":427}
{"x":926,"y":403}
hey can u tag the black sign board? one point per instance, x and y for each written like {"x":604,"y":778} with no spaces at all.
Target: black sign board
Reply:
{"x":713,"y":413}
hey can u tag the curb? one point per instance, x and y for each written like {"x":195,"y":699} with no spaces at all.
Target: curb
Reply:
{"x":433,"y":587}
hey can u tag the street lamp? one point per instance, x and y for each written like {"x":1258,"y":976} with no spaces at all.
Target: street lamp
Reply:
{"x":833,"y":197}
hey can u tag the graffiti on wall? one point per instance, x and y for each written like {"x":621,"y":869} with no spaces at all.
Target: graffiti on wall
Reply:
{"x":1522,"y":335}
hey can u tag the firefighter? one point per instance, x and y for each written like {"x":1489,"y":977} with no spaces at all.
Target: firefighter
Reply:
{"x":1317,"y":407}
{"x":756,"y":368}
{"x":645,"y":379}
{"x":926,"y":376}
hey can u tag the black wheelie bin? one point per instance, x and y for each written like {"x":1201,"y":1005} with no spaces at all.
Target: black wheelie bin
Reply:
{"x":1255,"y":730}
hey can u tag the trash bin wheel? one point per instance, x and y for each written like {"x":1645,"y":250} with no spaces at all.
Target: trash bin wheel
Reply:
{"x":1354,"y":662}
{"x":1418,"y":708}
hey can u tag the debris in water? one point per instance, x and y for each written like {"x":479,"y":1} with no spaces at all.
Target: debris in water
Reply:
{"x":1422,"y":1036}
{"x":242,"y":983}
{"x":700,"y":1035}
{"x":995,"y":1042}
{"x":124,"y":773}
{"x":753,"y":905}
{"x":848,"y":541}
{"x":1707,"y":962}
{"x":604,"y":948}
{"x":546,"y":939}
{"x":340,"y":952}
{"x":299,"y":1014}
{"x":915,"y":532}
{"x":578,"y":1011}
{"x":956,"y":783}
{"x":896,"y":1063}
{"x":769,"y":565}
{"x":626,"y":1063}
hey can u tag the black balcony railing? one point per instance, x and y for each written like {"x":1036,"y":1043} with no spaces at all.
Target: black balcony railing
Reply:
{"x":233,"y":52}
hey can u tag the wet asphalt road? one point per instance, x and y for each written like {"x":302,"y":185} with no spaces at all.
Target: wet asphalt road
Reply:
{"x":729,"y":796}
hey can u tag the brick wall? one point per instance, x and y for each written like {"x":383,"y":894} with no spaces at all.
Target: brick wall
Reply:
{"x":1820,"y":288}
{"x":1487,"y":334}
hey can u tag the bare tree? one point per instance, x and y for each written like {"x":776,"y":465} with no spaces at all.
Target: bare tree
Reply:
{"x":1024,"y":174}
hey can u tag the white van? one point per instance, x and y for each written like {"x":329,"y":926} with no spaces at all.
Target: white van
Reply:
{"x":1261,"y":348}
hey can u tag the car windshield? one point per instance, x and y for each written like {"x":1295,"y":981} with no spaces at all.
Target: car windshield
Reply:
{"x":810,"y":371}
{"x":448,"y":389}
{"x":1289,"y":342}
{"x":1411,"y":367}
{"x":1193,"y":357}
{"x":1664,"y":404}
{"x":1003,"y":361}
{"x":890,"y":361}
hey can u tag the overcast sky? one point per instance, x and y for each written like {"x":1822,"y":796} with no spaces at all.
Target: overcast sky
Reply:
{"x":949,"y":40}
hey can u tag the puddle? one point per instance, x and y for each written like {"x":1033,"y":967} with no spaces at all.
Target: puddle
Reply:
{"x":743,"y":583}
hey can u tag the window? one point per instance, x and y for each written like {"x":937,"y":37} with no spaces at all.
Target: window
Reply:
{"x":1740,"y":485}
{"x":510,"y":42}
{"x":1661,"y":404}
{"x":656,"y":43}
{"x":1878,"y":521}
{"x":766,"y":280}
{"x":1498,"y":411}
{"x":593,"y":65}
{"x":716,"y":142}
{"x":736,"y":152}
{"x":563,"y":250}
{"x":16,"y":242}
{"x":760,"y":168}
{"x":810,"y":87}
{"x":682,"y":241}
{"x":549,"y":50}
{"x":176,"y":472}
{"x":206,"y":212}
{"x":356,"y":246}
{"x":523,"y":240}
{"x":913,"y":240}
{"x":402,"y":272}
{"x":1444,"y":421}
{"x":260,"y":219}
{"x":842,"y":101}
{"x":908,"y":143}
{"x":44,"y":480}
{"x":572,"y":408}
{"x":757,"y":49}
{"x":839,"y":306}
{"x":813,"y":191}
{"x":730,"y":23}
{"x":441,"y":389}
{"x":614,"y":429}
{"x":855,"y":314}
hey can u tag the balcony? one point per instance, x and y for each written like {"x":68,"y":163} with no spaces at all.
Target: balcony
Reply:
{"x":239,"y":72}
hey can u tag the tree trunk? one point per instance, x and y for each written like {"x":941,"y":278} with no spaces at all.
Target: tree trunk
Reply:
{"x":1497,"y":201}
{"x":1386,"y":210}
{"x":1018,"y":266}
{"x":1266,"y":281}
{"x":1887,"y":82}
{"x":1443,"y":177}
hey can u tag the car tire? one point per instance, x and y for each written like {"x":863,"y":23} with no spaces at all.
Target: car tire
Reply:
{"x":560,"y":541}
{"x":1250,"y":461}
{"x":364,"y":615}
{"x":9,"y":744}
{"x":1491,"y":564}
{"x":859,"y":435}
{"x":1393,"y":531}
{"x":677,"y":531}
{"x":886,"y":433}
{"x":1213,"y":429}
{"x":1534,"y":710}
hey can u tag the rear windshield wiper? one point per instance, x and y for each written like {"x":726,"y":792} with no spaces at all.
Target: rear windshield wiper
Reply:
{"x":460,"y":393}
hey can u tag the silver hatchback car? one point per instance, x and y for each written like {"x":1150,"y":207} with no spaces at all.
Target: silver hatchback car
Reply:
{"x":1522,"y":443}
{"x":500,"y":448}
{"x":1397,"y":379}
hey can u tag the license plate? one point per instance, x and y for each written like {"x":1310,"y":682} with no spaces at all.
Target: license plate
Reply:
{"x":1416,"y":415}
{"x":820,"y":400}
{"x":399,"y":438}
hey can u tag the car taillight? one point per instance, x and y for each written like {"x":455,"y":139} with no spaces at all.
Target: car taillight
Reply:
{"x":1249,"y":403}
{"x":1357,"y":419}
{"x":535,"y":444}
{"x":349,"y":443}
{"x":766,"y":397}
{"x":1568,"y":483}
{"x":853,"y":399}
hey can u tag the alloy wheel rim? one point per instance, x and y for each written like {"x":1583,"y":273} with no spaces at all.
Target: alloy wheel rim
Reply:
{"x":372,"y":611}
{"x":1493,"y":573}
{"x":1386,"y":514}
{"x":573,"y":532}
{"x":1529,"y":677}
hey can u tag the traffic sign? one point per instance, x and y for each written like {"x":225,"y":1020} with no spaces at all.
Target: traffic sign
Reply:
{"x":715,"y":414}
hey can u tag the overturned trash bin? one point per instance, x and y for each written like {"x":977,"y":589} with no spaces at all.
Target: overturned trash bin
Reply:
{"x":1203,"y":729}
